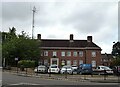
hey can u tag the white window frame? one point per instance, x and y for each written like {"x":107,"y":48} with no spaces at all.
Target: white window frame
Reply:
{"x":68,"y":53}
{"x":68,"y":62}
{"x":93,"y":63}
{"x":45,"y":53}
{"x":75,"y":54}
{"x":81,"y":53}
{"x":93,"y":54}
{"x":45,"y":61}
{"x":62,"y":53}
{"x":54,"y":53}
{"x":80,"y":62}
{"x":74,"y":62}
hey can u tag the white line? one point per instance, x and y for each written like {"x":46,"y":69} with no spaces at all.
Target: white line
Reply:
{"x":24,"y":84}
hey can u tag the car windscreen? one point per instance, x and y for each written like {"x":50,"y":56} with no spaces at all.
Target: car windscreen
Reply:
{"x":41,"y":66}
{"x":68,"y":67}
{"x":53,"y":66}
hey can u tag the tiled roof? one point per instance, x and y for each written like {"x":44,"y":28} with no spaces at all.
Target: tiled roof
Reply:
{"x":67,"y":43}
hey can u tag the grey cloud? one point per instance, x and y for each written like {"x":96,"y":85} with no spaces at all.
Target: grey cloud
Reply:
{"x":90,"y":19}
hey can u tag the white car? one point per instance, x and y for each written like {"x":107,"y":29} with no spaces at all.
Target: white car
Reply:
{"x":74,"y":67}
{"x":67,"y":69}
{"x":53,"y":69}
{"x":104,"y":69}
{"x":40,"y":69}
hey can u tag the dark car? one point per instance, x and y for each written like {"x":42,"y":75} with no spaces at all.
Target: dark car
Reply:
{"x":116,"y":70}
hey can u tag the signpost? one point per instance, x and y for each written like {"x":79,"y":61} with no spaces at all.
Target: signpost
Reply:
{"x":16,"y":59}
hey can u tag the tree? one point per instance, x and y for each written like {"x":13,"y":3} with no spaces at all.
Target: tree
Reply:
{"x":20,"y":46}
{"x":116,"y":54}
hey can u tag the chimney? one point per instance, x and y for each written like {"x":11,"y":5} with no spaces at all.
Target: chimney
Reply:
{"x":71,"y":37}
{"x":39,"y":36}
{"x":89,"y":38}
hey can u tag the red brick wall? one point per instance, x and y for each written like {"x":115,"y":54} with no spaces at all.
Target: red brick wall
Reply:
{"x":89,"y":57}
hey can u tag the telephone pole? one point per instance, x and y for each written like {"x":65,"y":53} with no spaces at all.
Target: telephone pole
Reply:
{"x":34,"y":10}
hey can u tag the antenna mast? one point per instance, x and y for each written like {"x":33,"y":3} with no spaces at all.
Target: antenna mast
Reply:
{"x":34,"y":10}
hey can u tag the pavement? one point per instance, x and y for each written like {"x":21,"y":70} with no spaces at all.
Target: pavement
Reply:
{"x":80,"y":78}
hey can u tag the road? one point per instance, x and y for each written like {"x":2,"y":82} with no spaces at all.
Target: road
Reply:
{"x":12,"y":80}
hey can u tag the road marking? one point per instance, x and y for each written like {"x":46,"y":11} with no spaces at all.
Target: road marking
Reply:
{"x":25,"y":84}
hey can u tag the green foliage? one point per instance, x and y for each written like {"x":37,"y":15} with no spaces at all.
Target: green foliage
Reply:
{"x":26,"y":63}
{"x":20,"y":46}
{"x":116,"y":49}
{"x":116,"y":62}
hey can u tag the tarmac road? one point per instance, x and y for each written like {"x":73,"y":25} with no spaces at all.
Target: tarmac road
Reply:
{"x":12,"y":80}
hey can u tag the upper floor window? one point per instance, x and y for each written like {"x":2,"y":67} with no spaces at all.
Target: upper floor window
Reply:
{"x":54,"y":53}
{"x":93,"y":54}
{"x":81,"y":53}
{"x":62,"y":53}
{"x":75,"y":54}
{"x":45,"y":53}
{"x":68,"y":53}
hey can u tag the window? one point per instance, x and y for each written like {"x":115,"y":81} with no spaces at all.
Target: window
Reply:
{"x":93,"y":54}
{"x":80,"y":62}
{"x":74,"y":62}
{"x":54,"y":53}
{"x":62,"y":53}
{"x":45,"y":62}
{"x":68,"y":53}
{"x":68,"y":62}
{"x":93,"y":63}
{"x":45,"y":53}
{"x":81,"y":53}
{"x":75,"y":54}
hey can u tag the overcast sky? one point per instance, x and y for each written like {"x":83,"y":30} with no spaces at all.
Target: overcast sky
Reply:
{"x":57,"y":19}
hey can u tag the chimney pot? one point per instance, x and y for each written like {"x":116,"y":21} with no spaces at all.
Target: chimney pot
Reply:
{"x":89,"y":39}
{"x":71,"y":36}
{"x":39,"y":36}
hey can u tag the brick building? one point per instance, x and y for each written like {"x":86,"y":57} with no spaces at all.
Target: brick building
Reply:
{"x":69,"y":52}
{"x":106,"y":59}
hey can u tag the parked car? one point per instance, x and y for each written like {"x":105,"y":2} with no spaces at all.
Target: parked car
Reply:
{"x":41,"y":69}
{"x":74,"y":67}
{"x":116,"y":70}
{"x":103,"y":70}
{"x":66,"y":69}
{"x":84,"y":69}
{"x":53,"y":69}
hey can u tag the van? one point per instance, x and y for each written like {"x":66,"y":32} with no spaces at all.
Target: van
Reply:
{"x":84,"y":69}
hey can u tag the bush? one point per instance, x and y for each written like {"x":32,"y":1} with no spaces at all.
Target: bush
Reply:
{"x":26,"y":64}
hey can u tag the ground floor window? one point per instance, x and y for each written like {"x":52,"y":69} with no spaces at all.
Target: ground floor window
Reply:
{"x":46,"y":62}
{"x":68,"y":62}
{"x":93,"y":63}
{"x":74,"y":62}
{"x":80,"y":62}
